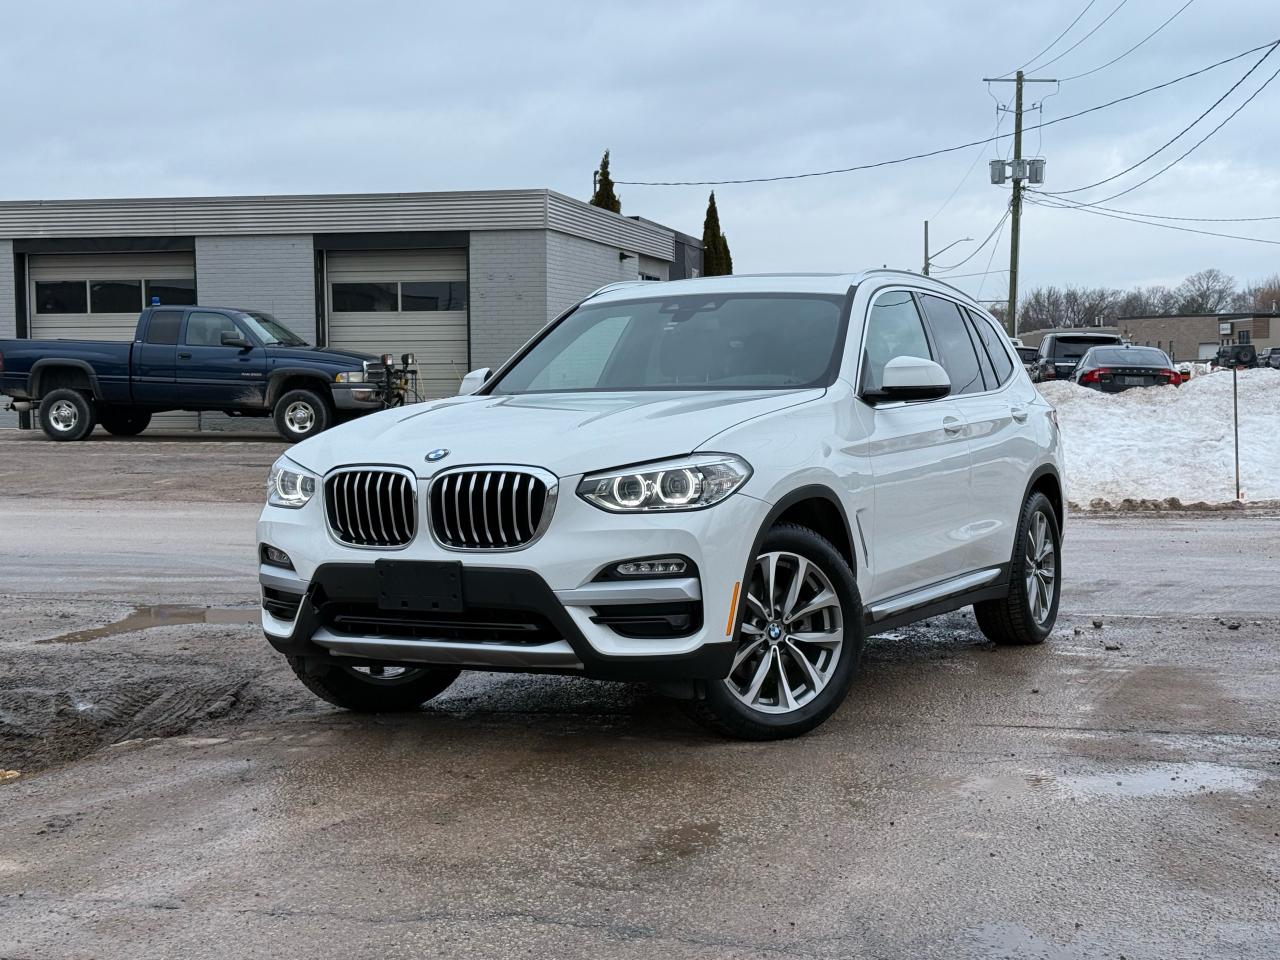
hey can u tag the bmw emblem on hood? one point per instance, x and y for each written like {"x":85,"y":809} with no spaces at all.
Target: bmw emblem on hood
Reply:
{"x":435,"y":455}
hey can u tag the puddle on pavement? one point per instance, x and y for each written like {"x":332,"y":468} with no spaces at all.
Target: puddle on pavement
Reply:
{"x":1151,"y":780}
{"x":161,"y":615}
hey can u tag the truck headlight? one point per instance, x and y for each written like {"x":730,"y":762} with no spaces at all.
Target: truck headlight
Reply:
{"x":289,"y":485}
{"x":351,"y":376}
{"x":689,"y":483}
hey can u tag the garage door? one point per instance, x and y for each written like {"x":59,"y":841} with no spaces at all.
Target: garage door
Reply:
{"x":99,"y":296}
{"x":403,"y":301}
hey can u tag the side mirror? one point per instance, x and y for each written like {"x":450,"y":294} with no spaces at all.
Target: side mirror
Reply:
{"x":473,"y":381}
{"x":912,"y":378}
{"x":230,"y":339}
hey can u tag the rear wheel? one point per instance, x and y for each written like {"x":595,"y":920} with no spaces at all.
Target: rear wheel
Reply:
{"x":799,"y":642}
{"x":122,"y":423}
{"x":66,"y":414}
{"x":300,"y":414}
{"x":1028,"y":613}
{"x":374,"y":689}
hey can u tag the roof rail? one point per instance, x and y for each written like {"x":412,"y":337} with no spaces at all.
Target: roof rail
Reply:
{"x":921,"y":276}
{"x":615,"y":286}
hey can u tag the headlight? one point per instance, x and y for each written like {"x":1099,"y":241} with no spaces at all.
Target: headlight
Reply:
{"x":353,"y":376}
{"x":686,"y":484}
{"x":289,"y":485}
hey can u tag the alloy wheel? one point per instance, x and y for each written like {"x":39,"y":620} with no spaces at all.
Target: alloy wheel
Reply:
{"x":64,"y":416}
{"x":791,"y":636}
{"x":1041,"y":568}
{"x":300,"y":417}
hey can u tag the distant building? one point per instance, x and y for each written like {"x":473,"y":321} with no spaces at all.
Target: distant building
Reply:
{"x":1199,"y":336}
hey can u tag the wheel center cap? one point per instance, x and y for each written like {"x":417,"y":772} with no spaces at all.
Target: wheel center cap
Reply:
{"x":774,"y":632}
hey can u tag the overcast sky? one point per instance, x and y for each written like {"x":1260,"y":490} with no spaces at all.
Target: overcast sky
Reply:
{"x":206,"y":98}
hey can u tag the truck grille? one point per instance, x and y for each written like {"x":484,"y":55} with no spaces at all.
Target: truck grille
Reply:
{"x":371,"y":508}
{"x":488,"y":509}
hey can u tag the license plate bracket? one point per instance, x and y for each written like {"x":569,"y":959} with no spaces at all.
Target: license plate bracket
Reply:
{"x":419,"y":585}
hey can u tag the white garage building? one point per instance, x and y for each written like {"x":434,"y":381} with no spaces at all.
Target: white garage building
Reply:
{"x":460,"y":280}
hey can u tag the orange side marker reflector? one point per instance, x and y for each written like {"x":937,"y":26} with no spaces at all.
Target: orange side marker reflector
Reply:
{"x":733,"y":610}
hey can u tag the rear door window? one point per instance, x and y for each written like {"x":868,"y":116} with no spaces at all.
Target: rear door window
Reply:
{"x":956,"y":352}
{"x":992,"y":342}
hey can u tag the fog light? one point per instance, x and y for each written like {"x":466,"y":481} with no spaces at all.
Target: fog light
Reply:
{"x":660,"y":567}
{"x":361,"y":394}
{"x":276,"y":557}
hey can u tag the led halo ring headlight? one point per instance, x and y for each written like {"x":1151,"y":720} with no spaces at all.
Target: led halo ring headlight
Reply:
{"x":289,"y":485}
{"x":688,"y":483}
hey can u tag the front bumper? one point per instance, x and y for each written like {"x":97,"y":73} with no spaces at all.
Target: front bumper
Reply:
{"x":541,"y":608}
{"x":357,"y":396}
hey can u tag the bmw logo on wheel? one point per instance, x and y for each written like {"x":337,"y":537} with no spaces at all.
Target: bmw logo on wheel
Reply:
{"x":435,"y":455}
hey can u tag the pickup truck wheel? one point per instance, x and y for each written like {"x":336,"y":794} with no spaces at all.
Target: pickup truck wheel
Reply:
{"x":300,"y":414}
{"x":799,"y":642}
{"x":374,"y":689}
{"x":122,"y":424}
{"x":66,"y":415}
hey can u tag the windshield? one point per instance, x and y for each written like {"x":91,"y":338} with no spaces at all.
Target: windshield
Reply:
{"x":709,"y":342}
{"x":1130,"y":356}
{"x":270,"y":330}
{"x":1073,"y":349}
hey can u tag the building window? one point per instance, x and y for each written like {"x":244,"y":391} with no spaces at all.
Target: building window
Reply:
{"x":364,"y":298}
{"x":1242,"y":336}
{"x":62,"y":296}
{"x":171,"y":293}
{"x":433,"y":295}
{"x":115,"y":296}
{"x":649,"y":276}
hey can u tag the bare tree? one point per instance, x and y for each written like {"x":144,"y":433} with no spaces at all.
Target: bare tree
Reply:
{"x":1261,"y":295}
{"x":1209,"y":291}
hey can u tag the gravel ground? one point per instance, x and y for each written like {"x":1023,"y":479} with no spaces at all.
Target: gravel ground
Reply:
{"x":1115,"y":792}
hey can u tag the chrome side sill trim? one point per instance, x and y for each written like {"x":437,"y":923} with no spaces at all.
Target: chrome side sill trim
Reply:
{"x":557,"y":654}
{"x":937,"y":591}
{"x":626,"y":591}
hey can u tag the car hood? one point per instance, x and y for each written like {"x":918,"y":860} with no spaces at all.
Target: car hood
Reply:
{"x":342,"y":358}
{"x":567,"y":434}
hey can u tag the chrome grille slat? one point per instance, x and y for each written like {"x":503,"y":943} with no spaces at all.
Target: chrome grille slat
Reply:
{"x":488,"y":509}
{"x":371,"y":507}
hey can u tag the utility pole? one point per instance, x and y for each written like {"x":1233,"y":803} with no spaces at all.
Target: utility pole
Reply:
{"x":1019,"y":171}
{"x":928,"y":257}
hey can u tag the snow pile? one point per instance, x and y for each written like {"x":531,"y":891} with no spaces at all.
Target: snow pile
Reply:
{"x":1154,"y":443}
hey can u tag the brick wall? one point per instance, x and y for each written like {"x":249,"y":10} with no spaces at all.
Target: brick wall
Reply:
{"x":508,"y":301}
{"x":576,"y":267}
{"x":275,"y":274}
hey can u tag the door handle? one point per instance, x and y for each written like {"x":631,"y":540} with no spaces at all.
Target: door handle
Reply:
{"x":184,"y":356}
{"x":952,"y":426}
{"x":1018,"y":413}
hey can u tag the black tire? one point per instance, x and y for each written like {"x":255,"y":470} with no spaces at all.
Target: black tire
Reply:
{"x":716,"y":705}
{"x":299,"y":414}
{"x":349,"y":688}
{"x":66,"y":415}
{"x":1010,"y":621}
{"x":124,"y":423}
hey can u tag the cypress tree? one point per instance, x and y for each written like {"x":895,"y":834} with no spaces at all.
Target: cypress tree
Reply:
{"x":604,"y":196}
{"x":726,"y":258}
{"x":713,"y":247}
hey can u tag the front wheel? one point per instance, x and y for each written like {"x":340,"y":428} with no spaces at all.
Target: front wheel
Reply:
{"x":374,"y":689}
{"x":1027,"y":614}
{"x":799,"y":642}
{"x":300,"y":414}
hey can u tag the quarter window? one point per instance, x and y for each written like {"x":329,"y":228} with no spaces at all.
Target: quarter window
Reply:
{"x":955,"y":347}
{"x":163,"y":326}
{"x":993,"y":342}
{"x":893,"y":330}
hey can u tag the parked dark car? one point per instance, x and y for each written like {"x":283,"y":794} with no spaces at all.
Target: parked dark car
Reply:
{"x":1240,"y":356}
{"x":1112,"y":368}
{"x":1028,"y":356}
{"x":241,"y":362}
{"x":1060,"y":352}
{"x":1270,"y":357}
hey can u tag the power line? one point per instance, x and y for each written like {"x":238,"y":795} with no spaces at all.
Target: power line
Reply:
{"x":994,"y":247}
{"x":1158,"y":216}
{"x":1043,"y":202}
{"x":1055,"y":41}
{"x":1134,"y":47}
{"x":1213,"y":106}
{"x":1101,"y":23}
{"x":945,"y":150}
{"x":986,"y":240}
{"x":1186,"y":153}
{"x":973,"y":163}
{"x":980,"y":273}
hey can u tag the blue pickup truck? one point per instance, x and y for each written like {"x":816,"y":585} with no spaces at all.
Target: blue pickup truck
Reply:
{"x":242,"y":362}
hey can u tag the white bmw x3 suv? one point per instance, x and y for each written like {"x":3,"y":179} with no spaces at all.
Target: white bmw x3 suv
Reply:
{"x":720,"y":486}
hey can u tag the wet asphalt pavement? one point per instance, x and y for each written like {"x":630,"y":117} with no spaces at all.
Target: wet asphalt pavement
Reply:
{"x":1115,"y":792}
